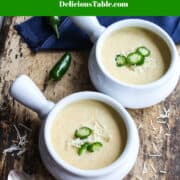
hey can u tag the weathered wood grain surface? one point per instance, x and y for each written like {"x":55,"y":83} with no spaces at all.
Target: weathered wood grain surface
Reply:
{"x":15,"y":58}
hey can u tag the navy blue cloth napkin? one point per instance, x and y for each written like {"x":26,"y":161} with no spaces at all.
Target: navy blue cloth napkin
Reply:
{"x":40,"y":37}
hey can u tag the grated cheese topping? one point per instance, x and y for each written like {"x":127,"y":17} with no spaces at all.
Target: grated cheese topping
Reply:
{"x":146,"y":65}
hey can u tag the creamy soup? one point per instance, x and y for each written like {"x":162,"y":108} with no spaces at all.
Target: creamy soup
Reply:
{"x":125,"y":41}
{"x":107,"y":128}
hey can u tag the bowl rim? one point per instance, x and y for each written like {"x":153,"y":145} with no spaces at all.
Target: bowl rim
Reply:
{"x":131,"y":129}
{"x":139,"y":23}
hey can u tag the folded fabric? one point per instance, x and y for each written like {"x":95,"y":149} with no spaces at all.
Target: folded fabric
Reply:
{"x":40,"y":37}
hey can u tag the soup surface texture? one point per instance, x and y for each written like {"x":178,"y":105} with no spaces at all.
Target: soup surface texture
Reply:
{"x":127,"y":40}
{"x":108,"y":128}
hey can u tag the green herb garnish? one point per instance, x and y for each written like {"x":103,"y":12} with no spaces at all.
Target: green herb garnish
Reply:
{"x":83,"y":149}
{"x":83,"y":132}
{"x":143,"y":51}
{"x":94,"y":146}
{"x":133,"y":58}
{"x":121,"y":60}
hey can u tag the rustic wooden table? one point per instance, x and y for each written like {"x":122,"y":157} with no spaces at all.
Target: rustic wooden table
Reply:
{"x":159,"y":155}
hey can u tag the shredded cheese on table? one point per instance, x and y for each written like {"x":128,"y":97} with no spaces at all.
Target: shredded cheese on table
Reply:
{"x":155,"y":147}
{"x":153,"y":126}
{"x":157,"y":134}
{"x":167,"y":134}
{"x":139,"y":178}
{"x":153,"y":168}
{"x":28,"y":129}
{"x":20,"y":146}
{"x":164,"y":114}
{"x":155,"y":155}
{"x":140,"y":126}
{"x":163,"y":171}
{"x":144,"y":168}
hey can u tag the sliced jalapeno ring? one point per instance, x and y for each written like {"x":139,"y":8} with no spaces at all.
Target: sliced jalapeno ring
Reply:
{"x":143,"y":51}
{"x":135,"y":58}
{"x":121,"y":60}
{"x":83,"y":149}
{"x":94,"y":146}
{"x":60,"y":67}
{"x":83,"y":132}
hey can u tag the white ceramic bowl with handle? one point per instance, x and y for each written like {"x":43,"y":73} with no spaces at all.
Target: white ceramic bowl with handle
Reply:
{"x":130,"y":96}
{"x":26,"y":92}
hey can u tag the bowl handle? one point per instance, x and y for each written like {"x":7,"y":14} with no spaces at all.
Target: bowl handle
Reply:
{"x":90,"y":25}
{"x":27,"y":93}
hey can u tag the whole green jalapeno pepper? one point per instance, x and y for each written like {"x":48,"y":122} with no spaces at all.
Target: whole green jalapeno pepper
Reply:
{"x":54,"y":22}
{"x":60,"y":68}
